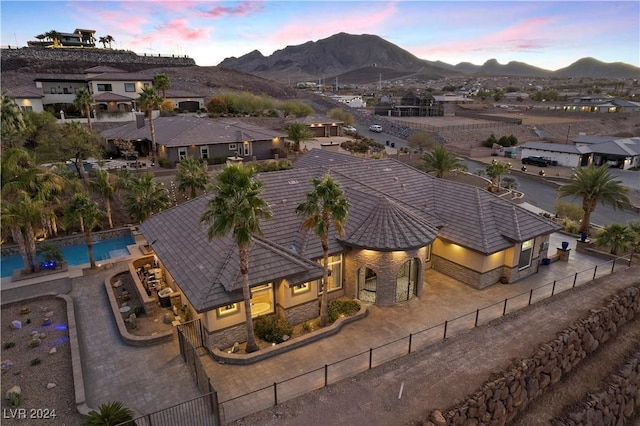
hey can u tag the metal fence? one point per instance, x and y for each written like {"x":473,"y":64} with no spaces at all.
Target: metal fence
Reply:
{"x":266,"y":397}
{"x":473,"y":126}
{"x":207,"y":410}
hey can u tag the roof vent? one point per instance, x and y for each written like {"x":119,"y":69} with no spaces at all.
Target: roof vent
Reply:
{"x":395,"y":178}
{"x":284,"y":201}
{"x":387,"y":169}
{"x":292,"y":182}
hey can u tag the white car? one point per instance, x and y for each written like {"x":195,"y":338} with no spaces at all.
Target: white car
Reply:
{"x":349,"y":129}
{"x":376,"y":128}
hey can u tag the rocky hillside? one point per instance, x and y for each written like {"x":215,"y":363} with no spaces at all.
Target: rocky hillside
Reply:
{"x":357,"y":59}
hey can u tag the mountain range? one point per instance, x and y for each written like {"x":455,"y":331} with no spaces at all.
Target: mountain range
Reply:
{"x":361,"y":59}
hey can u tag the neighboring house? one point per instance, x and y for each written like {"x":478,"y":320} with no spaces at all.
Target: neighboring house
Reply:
{"x":114,"y":90}
{"x":28,"y":98}
{"x":321,"y":126}
{"x":412,"y":105}
{"x":184,"y":100}
{"x":401,"y":222}
{"x":78,"y":38}
{"x":353,"y":101}
{"x":623,"y":153}
{"x":178,"y":137}
{"x":567,"y":155}
{"x":601,"y":104}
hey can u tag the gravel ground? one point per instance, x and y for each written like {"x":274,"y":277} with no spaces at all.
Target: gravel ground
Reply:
{"x":42,"y":406}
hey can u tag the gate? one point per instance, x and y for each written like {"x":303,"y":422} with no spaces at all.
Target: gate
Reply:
{"x":191,"y":341}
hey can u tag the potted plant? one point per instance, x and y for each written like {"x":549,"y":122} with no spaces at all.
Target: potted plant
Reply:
{"x":51,"y":256}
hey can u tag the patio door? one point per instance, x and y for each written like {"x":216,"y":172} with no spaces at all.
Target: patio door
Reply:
{"x":406,"y":280}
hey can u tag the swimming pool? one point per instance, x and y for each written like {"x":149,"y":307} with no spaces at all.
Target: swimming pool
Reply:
{"x":76,"y":255}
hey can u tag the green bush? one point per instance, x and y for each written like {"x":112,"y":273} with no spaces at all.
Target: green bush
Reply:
{"x":163,"y":162}
{"x":491,"y":140}
{"x":216,"y":160}
{"x":14,"y":398}
{"x":342,"y":308}
{"x":50,"y":252}
{"x":570,"y":211}
{"x":110,"y":413}
{"x":271,"y":165}
{"x":272,"y":329}
{"x":570,"y":226}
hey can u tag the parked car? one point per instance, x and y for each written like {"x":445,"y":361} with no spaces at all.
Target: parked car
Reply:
{"x":349,"y":129}
{"x":536,"y":161}
{"x":376,"y":128}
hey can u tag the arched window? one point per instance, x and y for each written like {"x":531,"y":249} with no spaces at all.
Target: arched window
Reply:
{"x":367,"y":284}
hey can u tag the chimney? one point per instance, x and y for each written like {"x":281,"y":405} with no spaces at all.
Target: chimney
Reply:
{"x":140,"y":121}
{"x":239,"y":135}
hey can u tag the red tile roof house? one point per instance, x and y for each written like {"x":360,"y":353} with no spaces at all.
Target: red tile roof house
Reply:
{"x":401,"y":222}
{"x":178,"y":137}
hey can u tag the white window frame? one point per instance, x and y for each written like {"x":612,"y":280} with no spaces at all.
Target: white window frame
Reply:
{"x":128,"y":86}
{"x":246,"y":148}
{"x":301,"y":288}
{"x":334,"y":276}
{"x":233,"y":147}
{"x":182,"y":153}
{"x":526,"y":248}
{"x":204,"y":152}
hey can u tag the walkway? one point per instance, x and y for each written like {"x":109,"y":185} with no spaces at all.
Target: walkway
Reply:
{"x":444,"y":299}
{"x":148,"y":379}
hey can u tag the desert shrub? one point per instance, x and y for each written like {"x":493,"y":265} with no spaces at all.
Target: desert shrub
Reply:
{"x":570,"y":226}
{"x":9,"y":345}
{"x":272,"y":329}
{"x":570,"y":211}
{"x":163,"y":162}
{"x":14,"y":399}
{"x":50,"y":252}
{"x":361,"y":146}
{"x":510,"y":182}
{"x":490,"y":141}
{"x":342,"y":308}
{"x":36,"y":361}
{"x":109,"y":413}
{"x":272,"y":166}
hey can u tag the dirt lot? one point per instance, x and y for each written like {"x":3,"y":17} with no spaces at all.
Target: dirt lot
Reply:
{"x":404,"y":391}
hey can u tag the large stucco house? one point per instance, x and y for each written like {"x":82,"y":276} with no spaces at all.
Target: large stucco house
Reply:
{"x":401,"y":222}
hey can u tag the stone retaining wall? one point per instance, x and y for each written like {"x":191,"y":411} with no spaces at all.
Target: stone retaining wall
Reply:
{"x":72,"y":240}
{"x":501,"y":400}
{"x":617,"y":401}
{"x":15,"y":59}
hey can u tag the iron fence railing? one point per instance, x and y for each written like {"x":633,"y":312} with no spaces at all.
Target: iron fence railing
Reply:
{"x":207,"y":410}
{"x":243,"y":405}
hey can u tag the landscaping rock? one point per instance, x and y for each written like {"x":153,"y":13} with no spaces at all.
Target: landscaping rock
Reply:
{"x":16,"y":324}
{"x":15,"y":389}
{"x":51,"y":385}
{"x":6,"y":365}
{"x":52,"y":351}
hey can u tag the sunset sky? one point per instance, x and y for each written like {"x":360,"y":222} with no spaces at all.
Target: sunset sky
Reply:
{"x":547,"y":34}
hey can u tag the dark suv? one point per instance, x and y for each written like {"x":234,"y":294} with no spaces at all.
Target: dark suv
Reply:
{"x":536,"y":161}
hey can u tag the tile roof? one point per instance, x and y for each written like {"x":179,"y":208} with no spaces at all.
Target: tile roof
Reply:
{"x":180,"y":131}
{"x":102,"y":69}
{"x":556,"y":147}
{"x":29,"y":91}
{"x":120,"y":76}
{"x":393,"y":207}
{"x":112,"y":97}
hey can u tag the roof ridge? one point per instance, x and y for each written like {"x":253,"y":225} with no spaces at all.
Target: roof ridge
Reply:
{"x":482,"y":224}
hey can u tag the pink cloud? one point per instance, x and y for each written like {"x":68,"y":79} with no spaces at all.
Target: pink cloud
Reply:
{"x":319,"y":26}
{"x":243,"y":9}
{"x":528,"y":35}
{"x":171,"y":32}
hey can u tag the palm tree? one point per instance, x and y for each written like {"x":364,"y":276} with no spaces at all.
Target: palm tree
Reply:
{"x":104,"y":42}
{"x":495,"y":170}
{"x":21,"y":215}
{"x":617,"y":237}
{"x":109,"y":39}
{"x":144,"y":196}
{"x":297,"y":133}
{"x":595,"y":185}
{"x":324,"y":204}
{"x":54,"y":36}
{"x":148,"y":101}
{"x":441,"y":161}
{"x":161,"y":83}
{"x":108,"y":414}
{"x":84,"y":101}
{"x":102,"y":185}
{"x":11,"y":117}
{"x":83,"y":210}
{"x":192,"y":175}
{"x":237,"y":208}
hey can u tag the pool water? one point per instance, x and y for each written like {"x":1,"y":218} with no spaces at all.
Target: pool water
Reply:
{"x":76,"y":255}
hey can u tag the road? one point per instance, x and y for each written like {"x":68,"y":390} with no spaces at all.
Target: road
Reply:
{"x":546,"y":196}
